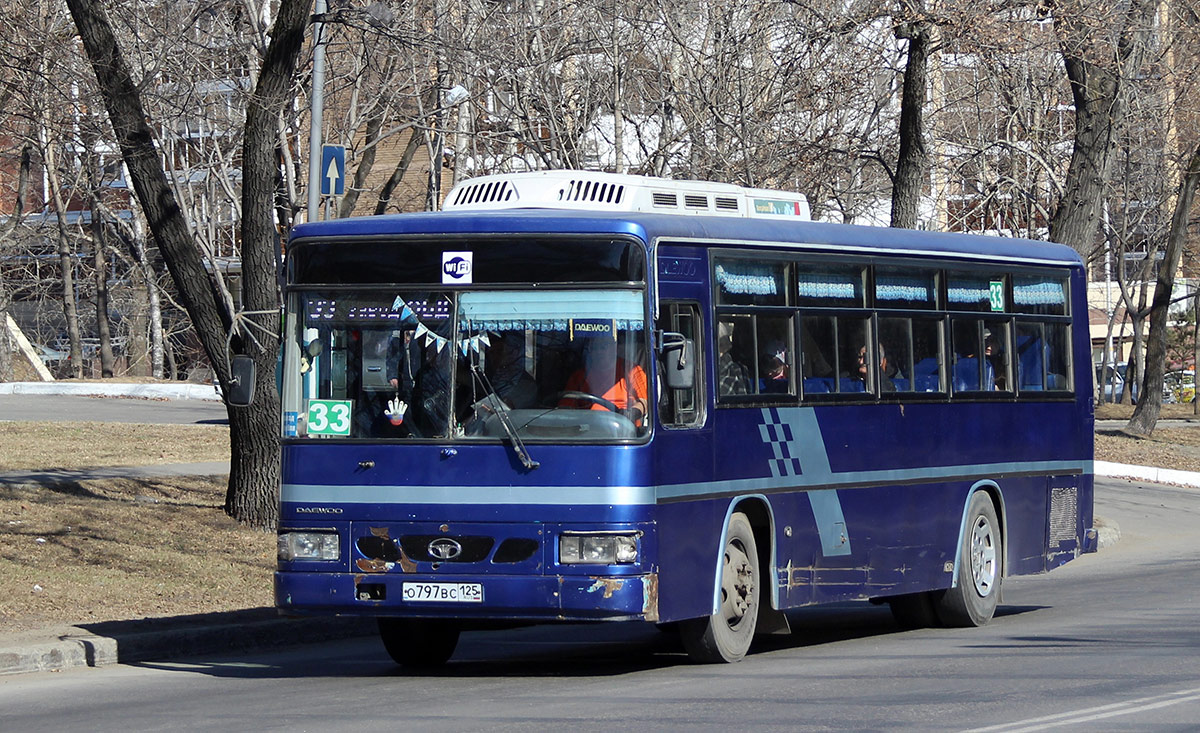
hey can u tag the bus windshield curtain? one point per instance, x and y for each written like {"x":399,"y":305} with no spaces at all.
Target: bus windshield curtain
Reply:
{"x":549,"y":310}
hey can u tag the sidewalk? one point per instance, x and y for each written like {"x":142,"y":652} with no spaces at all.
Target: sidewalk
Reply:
{"x":125,"y":642}
{"x":173,"y":637}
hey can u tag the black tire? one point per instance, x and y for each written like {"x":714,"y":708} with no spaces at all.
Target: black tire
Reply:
{"x":725,"y":636}
{"x":418,"y":643}
{"x":972,"y":602}
{"x":914,"y":610}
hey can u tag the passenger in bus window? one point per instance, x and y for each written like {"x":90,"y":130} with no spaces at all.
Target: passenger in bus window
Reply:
{"x":609,"y":377}
{"x":864,"y":369}
{"x":774,"y":375}
{"x":732,"y":378}
{"x":995,"y":369}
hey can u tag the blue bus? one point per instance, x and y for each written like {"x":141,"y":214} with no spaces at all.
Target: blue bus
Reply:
{"x":580,"y":397}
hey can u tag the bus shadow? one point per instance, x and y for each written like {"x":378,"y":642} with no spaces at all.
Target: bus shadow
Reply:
{"x":565,"y":651}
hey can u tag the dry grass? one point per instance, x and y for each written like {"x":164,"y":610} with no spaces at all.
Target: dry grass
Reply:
{"x":125,"y":549}
{"x":1170,"y":411}
{"x":43,"y":445}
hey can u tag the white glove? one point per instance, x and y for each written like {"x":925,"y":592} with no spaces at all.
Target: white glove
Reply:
{"x":395,"y":410}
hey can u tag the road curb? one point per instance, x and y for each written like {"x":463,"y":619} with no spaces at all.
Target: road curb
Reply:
{"x":175,"y":638}
{"x":1190,"y":479}
{"x":155,"y":391}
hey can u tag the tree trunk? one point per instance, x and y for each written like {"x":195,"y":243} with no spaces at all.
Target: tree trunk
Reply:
{"x":254,"y":471}
{"x":6,"y":230}
{"x":66,"y":262}
{"x":253,"y":495}
{"x":1145,"y":415}
{"x":393,"y":181}
{"x":1195,"y":347}
{"x":366,"y":162}
{"x":913,"y":162}
{"x":153,"y":308}
{"x":1101,"y":101}
{"x":103,"y":331}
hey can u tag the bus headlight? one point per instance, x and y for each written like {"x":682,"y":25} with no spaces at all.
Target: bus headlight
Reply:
{"x":597,"y":549}
{"x":309,"y":546}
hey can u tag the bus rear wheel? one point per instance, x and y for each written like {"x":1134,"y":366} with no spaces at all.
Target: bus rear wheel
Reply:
{"x":972,"y":601}
{"x":418,"y":643}
{"x":725,"y":636}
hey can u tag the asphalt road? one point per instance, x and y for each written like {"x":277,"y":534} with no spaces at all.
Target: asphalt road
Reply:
{"x":1109,"y":642}
{"x":26,"y":407}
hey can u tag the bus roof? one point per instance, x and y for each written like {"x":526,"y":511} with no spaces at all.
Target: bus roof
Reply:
{"x":706,"y":229}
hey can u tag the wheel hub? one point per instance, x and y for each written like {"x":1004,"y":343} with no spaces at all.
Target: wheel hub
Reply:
{"x":983,"y":557}
{"x":737,"y":584}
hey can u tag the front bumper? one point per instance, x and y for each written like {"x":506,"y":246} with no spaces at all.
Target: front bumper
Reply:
{"x":505,"y":597}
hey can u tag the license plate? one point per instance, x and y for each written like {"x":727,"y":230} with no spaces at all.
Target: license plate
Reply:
{"x":442,"y":592}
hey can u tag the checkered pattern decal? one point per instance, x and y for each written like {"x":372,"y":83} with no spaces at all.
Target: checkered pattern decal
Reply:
{"x":782,"y":438}
{"x":796,"y":444}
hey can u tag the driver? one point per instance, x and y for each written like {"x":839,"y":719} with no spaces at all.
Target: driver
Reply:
{"x":608,"y":376}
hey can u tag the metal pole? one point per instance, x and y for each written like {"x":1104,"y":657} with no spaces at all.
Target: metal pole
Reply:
{"x":318,"y":110}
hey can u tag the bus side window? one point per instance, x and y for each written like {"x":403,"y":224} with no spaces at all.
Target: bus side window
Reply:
{"x":1031,"y":357}
{"x":895,"y":344}
{"x":927,"y":371}
{"x":818,"y":355}
{"x":684,"y":407}
{"x":1042,"y":353}
{"x":981,"y":355}
{"x":854,"y":338}
{"x":774,"y":340}
{"x":735,"y":356}
{"x":1058,"y":357}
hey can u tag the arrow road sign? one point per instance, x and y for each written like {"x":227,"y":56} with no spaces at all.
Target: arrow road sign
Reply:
{"x":333,"y":170}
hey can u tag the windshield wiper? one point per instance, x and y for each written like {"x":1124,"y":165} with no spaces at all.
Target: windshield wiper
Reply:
{"x":500,"y":410}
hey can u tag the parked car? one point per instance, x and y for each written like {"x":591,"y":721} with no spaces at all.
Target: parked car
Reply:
{"x":1111,"y":380}
{"x":1179,"y":386}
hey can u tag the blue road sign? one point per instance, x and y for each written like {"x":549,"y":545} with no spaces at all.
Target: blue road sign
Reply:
{"x":333,"y":170}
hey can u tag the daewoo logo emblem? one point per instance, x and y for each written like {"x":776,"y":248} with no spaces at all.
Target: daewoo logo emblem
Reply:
{"x":444,"y":548}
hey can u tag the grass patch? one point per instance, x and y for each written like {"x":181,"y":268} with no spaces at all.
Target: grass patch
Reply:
{"x":125,"y":549}
{"x":1170,"y":411}
{"x":32,"y":446}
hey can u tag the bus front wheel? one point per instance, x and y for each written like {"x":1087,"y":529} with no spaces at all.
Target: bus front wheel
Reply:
{"x":417,"y":642}
{"x":972,"y":601}
{"x":725,"y":636}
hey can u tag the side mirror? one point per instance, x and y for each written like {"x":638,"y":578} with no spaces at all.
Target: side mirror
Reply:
{"x":678,"y":355}
{"x":241,"y":381}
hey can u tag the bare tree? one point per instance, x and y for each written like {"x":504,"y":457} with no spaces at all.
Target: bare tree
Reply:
{"x":1099,"y":74}
{"x":912,"y":167}
{"x":1145,"y":415}
{"x":254,"y":474}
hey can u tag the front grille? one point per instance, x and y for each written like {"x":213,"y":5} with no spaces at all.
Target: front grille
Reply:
{"x":474,"y":548}
{"x":515,"y":549}
{"x":378,"y":548}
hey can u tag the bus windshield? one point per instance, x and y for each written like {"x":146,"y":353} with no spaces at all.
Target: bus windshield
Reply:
{"x":514,"y":364}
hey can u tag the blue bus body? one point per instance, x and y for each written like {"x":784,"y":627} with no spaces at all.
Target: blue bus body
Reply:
{"x":853,"y":499}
